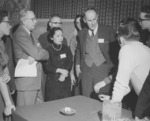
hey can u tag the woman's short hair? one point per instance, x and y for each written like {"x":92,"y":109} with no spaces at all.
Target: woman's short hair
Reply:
{"x":51,"y":33}
{"x":129,"y":29}
{"x":3,"y":13}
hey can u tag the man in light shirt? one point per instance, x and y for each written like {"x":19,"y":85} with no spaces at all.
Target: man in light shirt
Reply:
{"x":134,"y":62}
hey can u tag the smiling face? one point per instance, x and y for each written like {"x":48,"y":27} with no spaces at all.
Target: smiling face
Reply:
{"x":91,"y":18}
{"x":58,"y":37}
{"x":5,"y":26}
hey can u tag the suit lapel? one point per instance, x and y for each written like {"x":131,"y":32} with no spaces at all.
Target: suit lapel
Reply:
{"x":28,"y":35}
{"x":84,"y":39}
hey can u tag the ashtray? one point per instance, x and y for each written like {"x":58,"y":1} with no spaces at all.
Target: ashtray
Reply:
{"x":67,"y":111}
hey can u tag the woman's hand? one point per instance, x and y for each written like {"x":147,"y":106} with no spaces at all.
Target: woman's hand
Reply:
{"x":78,"y":70}
{"x":73,"y":80}
{"x":64,"y":72}
{"x":8,"y":109}
{"x":62,"y":78}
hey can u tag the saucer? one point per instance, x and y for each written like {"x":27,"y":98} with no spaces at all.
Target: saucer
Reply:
{"x":67,"y":111}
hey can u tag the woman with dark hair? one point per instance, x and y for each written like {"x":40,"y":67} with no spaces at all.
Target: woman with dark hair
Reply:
{"x":6,"y":104}
{"x":57,"y":68}
{"x":78,"y":24}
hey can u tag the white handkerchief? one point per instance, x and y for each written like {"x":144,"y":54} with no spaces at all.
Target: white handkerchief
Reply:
{"x":24,"y":69}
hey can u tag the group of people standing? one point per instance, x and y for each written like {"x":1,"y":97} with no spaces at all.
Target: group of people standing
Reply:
{"x":86,"y":60}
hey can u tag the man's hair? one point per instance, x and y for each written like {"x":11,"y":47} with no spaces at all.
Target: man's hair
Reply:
{"x":129,"y":29}
{"x":24,"y":13}
{"x":51,"y":33}
{"x":89,"y":9}
{"x":3,"y":13}
{"x":51,"y":17}
{"x":146,"y":9}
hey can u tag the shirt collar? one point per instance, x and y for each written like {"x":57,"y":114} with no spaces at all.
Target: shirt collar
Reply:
{"x":95,"y":31}
{"x":27,"y":30}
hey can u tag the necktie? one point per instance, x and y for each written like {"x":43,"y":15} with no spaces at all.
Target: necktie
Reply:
{"x":32,"y":37}
{"x":92,"y":33}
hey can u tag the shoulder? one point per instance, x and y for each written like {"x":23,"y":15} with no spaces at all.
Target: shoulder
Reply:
{"x":49,"y":48}
{"x":82,"y":32}
{"x":65,"y":47}
{"x":20,"y":31}
{"x":105,"y":26}
{"x":126,"y":51}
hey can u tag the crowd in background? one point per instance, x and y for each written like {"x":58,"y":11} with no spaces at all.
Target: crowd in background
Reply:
{"x":97,"y":62}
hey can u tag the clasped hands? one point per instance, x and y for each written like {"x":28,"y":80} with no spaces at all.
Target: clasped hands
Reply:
{"x":64,"y":74}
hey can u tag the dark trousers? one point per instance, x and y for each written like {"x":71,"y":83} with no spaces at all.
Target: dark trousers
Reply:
{"x":92,"y":75}
{"x":143,"y":103}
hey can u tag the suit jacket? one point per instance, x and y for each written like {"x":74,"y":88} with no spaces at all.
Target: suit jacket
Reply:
{"x":104,"y":32}
{"x":25,"y":46}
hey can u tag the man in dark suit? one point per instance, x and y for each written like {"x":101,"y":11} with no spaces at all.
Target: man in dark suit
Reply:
{"x":92,"y":55}
{"x":27,"y":47}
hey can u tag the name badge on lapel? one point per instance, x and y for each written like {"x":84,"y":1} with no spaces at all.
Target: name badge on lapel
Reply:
{"x":101,"y":40}
{"x":63,"y":56}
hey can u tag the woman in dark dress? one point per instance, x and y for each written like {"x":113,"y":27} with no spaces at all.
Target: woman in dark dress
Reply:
{"x":57,"y":68}
{"x":6,"y":104}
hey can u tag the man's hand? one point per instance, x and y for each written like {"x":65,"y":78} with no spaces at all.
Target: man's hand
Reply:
{"x":30,"y":60}
{"x":98,"y":86}
{"x":104,"y":97}
{"x":8,"y":109}
{"x":5,"y":78}
{"x":78,"y":70}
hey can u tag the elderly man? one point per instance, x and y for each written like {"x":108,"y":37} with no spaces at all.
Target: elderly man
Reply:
{"x":26,"y":46}
{"x":92,"y":56}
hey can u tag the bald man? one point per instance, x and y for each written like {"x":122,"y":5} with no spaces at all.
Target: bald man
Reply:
{"x":92,"y":56}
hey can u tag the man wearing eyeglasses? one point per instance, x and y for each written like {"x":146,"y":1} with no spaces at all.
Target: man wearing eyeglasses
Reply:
{"x":27,"y":47}
{"x":144,"y":20}
{"x":55,"y":21}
